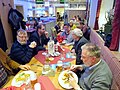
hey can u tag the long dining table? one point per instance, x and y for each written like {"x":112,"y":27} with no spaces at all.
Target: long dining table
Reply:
{"x":37,"y":63}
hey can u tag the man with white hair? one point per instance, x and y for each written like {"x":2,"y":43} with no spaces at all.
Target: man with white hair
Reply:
{"x":97,"y":74}
{"x":79,"y":41}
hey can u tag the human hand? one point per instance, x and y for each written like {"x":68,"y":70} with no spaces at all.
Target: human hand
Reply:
{"x":74,"y":67}
{"x":33,"y":44}
{"x":25,"y":67}
{"x":73,"y":83}
{"x":72,"y":51}
{"x":46,"y":34}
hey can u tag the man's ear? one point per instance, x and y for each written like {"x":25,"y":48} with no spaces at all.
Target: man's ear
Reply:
{"x":93,"y":59}
{"x":17,"y":37}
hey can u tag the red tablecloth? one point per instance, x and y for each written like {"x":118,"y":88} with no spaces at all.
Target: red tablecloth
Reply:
{"x":41,"y":57}
{"x":45,"y":83}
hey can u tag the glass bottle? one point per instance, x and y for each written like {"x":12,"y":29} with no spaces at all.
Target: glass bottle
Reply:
{"x":51,"y":48}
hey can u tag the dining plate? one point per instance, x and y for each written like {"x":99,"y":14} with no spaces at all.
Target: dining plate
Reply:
{"x":63,"y":79}
{"x":23,"y":77}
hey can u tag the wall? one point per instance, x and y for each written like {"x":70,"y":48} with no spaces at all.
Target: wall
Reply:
{"x":60,"y":10}
{"x":92,"y":15}
{"x":26,"y":7}
{"x":4,"y":18}
{"x":105,"y":7}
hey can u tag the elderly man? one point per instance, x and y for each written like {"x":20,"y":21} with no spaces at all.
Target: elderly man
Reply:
{"x":79,"y":41}
{"x":8,"y":67}
{"x":40,"y":37}
{"x":22,"y":50}
{"x":97,"y":75}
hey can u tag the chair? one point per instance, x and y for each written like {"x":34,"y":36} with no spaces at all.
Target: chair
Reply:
{"x":3,"y":55}
{"x":5,"y":59}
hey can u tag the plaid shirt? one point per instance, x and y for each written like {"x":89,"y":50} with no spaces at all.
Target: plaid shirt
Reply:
{"x":3,"y":75}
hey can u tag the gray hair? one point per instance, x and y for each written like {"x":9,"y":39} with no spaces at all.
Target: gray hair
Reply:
{"x":22,"y":31}
{"x":77,"y":32}
{"x":93,"y":50}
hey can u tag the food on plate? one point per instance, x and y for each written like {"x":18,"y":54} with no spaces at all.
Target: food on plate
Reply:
{"x":22,"y":77}
{"x":66,"y":77}
{"x":51,"y":58}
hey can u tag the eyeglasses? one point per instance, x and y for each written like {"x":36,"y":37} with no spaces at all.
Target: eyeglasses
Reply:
{"x":43,"y":29}
{"x":85,"y":56}
{"x":22,"y":36}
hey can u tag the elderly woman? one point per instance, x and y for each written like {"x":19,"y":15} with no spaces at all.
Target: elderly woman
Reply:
{"x":79,"y":41}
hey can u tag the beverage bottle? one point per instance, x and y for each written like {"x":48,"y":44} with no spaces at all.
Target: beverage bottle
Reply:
{"x":51,"y":48}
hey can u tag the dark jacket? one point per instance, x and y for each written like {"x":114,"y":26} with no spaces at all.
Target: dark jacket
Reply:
{"x":77,"y":47}
{"x":3,"y":43}
{"x":21,"y":53}
{"x":15,"y":18}
{"x":57,"y":27}
{"x":40,"y":40}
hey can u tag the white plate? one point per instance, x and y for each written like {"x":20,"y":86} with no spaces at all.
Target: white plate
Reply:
{"x":62,"y":82}
{"x":32,"y":76}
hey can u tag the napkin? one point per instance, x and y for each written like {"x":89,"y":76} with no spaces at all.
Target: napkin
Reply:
{"x":60,"y":49}
{"x":46,"y":84}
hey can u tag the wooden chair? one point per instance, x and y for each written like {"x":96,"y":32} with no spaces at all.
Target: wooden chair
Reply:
{"x":3,"y":55}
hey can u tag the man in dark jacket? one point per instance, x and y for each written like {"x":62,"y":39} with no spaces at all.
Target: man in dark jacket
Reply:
{"x":79,"y":41}
{"x":22,"y":50}
{"x":40,"y":37}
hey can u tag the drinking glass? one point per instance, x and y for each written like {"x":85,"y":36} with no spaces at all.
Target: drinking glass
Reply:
{"x":59,"y":66}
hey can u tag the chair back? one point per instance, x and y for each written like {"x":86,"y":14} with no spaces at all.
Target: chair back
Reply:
{"x":4,"y":58}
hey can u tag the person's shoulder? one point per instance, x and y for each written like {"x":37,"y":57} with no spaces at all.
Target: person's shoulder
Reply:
{"x":16,"y":45}
{"x":74,"y":26}
{"x":104,"y":68}
{"x":34,"y":34}
{"x":62,"y":33}
{"x":84,"y":39}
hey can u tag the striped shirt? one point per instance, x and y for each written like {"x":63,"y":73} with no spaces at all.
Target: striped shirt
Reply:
{"x":3,"y":75}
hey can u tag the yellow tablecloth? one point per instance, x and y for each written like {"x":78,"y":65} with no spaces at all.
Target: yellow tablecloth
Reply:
{"x":36,"y":66}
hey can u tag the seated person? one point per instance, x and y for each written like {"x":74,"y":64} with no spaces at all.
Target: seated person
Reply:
{"x":22,"y":50}
{"x":72,"y":25}
{"x":66,"y":34}
{"x":40,"y":37}
{"x":97,"y":75}
{"x":58,"y":27}
{"x":35,"y":23}
{"x":85,"y":29}
{"x":79,"y":41}
{"x":8,"y":68}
